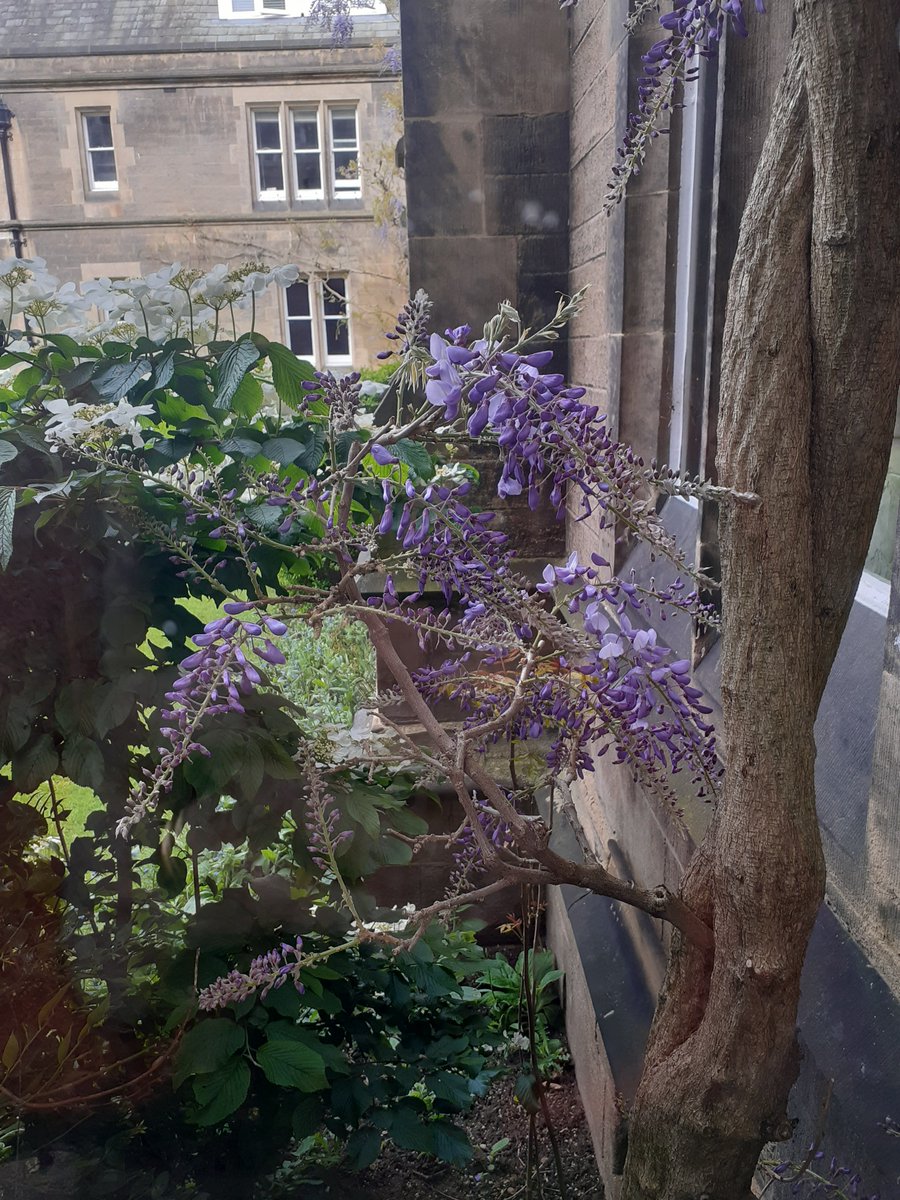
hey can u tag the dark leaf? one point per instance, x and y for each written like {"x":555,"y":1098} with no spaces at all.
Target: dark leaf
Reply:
{"x":233,"y":366}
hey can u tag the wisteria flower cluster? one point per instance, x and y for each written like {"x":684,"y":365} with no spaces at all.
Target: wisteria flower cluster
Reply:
{"x":213,"y":680}
{"x":270,"y":970}
{"x":694,"y":29}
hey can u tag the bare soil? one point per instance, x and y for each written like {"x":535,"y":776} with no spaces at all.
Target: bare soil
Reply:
{"x":399,"y":1175}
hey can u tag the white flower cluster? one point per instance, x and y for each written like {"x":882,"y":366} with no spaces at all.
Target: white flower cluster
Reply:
{"x":69,"y":423}
{"x":174,"y":302}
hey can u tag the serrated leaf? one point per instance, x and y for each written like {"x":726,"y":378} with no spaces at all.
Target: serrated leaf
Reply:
{"x":288,"y":373}
{"x":118,"y":380}
{"x":221,"y":1092}
{"x":82,"y":762}
{"x":240,"y":445}
{"x":452,"y":1088}
{"x":415,"y":456}
{"x":7,"y":452}
{"x":307,"y":1116}
{"x":451,"y":1145}
{"x":164,"y":369}
{"x":35,"y":765}
{"x":248,"y":399}
{"x":363,"y":1147}
{"x":291,"y":1064}
{"x":283,"y":450}
{"x":7,"y":516}
{"x":206,"y":1047}
{"x":410,"y":1132}
{"x":233,"y":366}
{"x":314,"y":448}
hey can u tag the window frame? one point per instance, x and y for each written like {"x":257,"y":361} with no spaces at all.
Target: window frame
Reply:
{"x":320,"y":357}
{"x":341,"y":188}
{"x":97,"y":187}
{"x":305,"y":194}
{"x":333,"y":190}
{"x":272,"y":195}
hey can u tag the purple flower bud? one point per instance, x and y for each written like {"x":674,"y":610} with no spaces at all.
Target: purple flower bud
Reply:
{"x":382,"y":455}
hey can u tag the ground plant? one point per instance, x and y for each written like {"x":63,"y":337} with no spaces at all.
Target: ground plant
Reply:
{"x":175,"y":453}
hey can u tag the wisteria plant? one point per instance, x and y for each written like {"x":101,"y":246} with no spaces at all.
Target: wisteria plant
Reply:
{"x":323,"y":511}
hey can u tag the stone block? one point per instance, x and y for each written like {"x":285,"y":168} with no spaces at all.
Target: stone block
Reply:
{"x":526,"y":204}
{"x":466,"y":277}
{"x":444,"y":180}
{"x":523,"y":145}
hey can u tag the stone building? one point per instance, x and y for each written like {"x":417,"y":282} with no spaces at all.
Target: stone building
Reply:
{"x":505,"y":141}
{"x":147,"y":132}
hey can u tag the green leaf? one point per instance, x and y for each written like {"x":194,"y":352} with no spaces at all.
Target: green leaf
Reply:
{"x":27,"y":379}
{"x":415,"y":456}
{"x":454,"y":1089}
{"x":36,"y":765}
{"x":164,"y":369}
{"x":409,"y":1131}
{"x":7,"y":452}
{"x":118,"y":380}
{"x":288,"y":373}
{"x":526,"y":1093}
{"x":239,"y":444}
{"x":222,"y":1092}
{"x":233,"y":366}
{"x":291,"y":1064}
{"x":82,"y":761}
{"x":283,"y":450}
{"x":10,"y":1052}
{"x":361,"y":810}
{"x":451,"y":1144}
{"x":363,"y":1147}
{"x":69,"y":347}
{"x":314,"y":447}
{"x":207,"y":1047}
{"x":7,"y":514}
{"x":248,"y":399}
{"x":307,"y":1116}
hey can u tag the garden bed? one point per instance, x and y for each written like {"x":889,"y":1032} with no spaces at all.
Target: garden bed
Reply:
{"x":495,"y":1118}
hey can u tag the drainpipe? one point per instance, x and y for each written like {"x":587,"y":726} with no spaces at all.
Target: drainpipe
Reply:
{"x":15,"y":229}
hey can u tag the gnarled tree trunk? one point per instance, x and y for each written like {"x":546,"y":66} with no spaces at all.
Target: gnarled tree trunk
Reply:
{"x":810,"y":372}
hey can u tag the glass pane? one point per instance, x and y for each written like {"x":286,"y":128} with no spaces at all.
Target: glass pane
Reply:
{"x":337,"y":339}
{"x":242,"y":6}
{"x":346,"y":166}
{"x":301,"y":337}
{"x":306,"y":131}
{"x":335,"y":293}
{"x":309,"y":173}
{"x":103,"y":166}
{"x":98,"y":129}
{"x":268,"y":131}
{"x":298,"y":300}
{"x":343,"y":125}
{"x":271,"y":173}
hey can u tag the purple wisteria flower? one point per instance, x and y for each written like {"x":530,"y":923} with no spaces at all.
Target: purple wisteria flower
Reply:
{"x":268,"y":971}
{"x":694,"y":29}
{"x":213,"y":680}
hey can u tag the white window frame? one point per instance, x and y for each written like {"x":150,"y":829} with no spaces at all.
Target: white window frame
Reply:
{"x":336,"y":360}
{"x":307,"y":193}
{"x":98,"y":185}
{"x":320,"y":358}
{"x":270,"y":193}
{"x":341,"y":188}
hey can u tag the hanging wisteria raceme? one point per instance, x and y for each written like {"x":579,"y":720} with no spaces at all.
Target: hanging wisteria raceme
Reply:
{"x":267,"y":971}
{"x":212,"y":681}
{"x":694,"y":29}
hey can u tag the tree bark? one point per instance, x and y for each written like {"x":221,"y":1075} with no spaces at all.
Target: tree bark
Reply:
{"x":810,"y":374}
